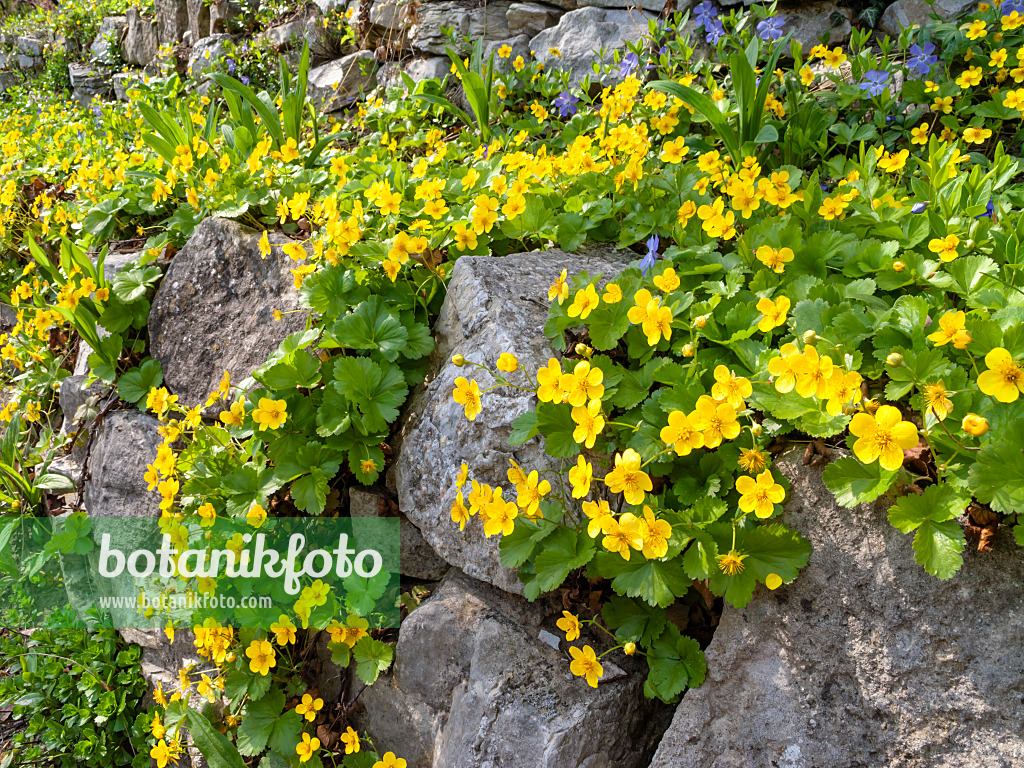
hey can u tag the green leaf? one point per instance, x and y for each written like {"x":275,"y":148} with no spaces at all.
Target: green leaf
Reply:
{"x":634,"y":386}
{"x":132,"y":284}
{"x":296,"y":370}
{"x":310,"y":492}
{"x":134,"y":385}
{"x":519,"y":546}
{"x":286,"y":733}
{"x":562,"y":552}
{"x":608,"y":323}
{"x":372,"y":326}
{"x":632,"y":620}
{"x":768,"y":549}
{"x":523,"y":428}
{"x":939,"y":540}
{"x":258,"y":723}
{"x":853,"y":483}
{"x":659,"y":582}
{"x":997,"y":477}
{"x":372,"y":657}
{"x":554,"y":422}
{"x":218,"y":751}
{"x":377,"y":392}
{"x":675,"y":662}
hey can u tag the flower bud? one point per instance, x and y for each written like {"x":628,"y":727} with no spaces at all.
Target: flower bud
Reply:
{"x":689,"y":350}
{"x":898,"y":266}
{"x":810,"y":337}
{"x":583,"y":350}
{"x":458,"y":360}
{"x":895,"y":360}
{"x":756,"y":430}
{"x":973,"y":424}
{"x":700,"y":322}
{"x":629,"y":648}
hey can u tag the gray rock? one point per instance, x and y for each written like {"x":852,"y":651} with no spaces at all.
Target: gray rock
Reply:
{"x":205,"y":54}
{"x":105,"y":49}
{"x":520,"y":46}
{"x":164,"y":65}
{"x":654,"y":6}
{"x":171,"y":20}
{"x":917,"y":13}
{"x":474,"y":686}
{"x":8,"y":80}
{"x":390,"y":16}
{"x":531,"y":18}
{"x":865,"y":659}
{"x":198,"y":19}
{"x":286,"y":35}
{"x":214,"y":309}
{"x":808,"y":23}
{"x":416,"y":558}
{"x":487,"y":22}
{"x":141,"y":42}
{"x":88,"y":83}
{"x":419,"y":69}
{"x":334,"y":84}
{"x":580,"y":35}
{"x":124,"y":443}
{"x":122,"y":82}
{"x":494,"y":305}
{"x":30,"y":46}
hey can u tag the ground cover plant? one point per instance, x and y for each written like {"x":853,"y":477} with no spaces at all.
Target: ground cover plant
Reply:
{"x":827,"y":254}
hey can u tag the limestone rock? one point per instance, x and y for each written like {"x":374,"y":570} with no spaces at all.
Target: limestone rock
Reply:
{"x":88,"y":83}
{"x":419,"y":69}
{"x":474,"y":686}
{"x":494,"y":305}
{"x":807,"y":23}
{"x":390,"y":17}
{"x":531,"y":18}
{"x":334,"y":84}
{"x":286,"y":35}
{"x":865,"y":659}
{"x":140,"y":44}
{"x":122,"y":82}
{"x":487,"y":22}
{"x":171,"y":20}
{"x":214,"y":309}
{"x":124,"y":443}
{"x":654,"y":6}
{"x":198,"y":19}
{"x":520,"y":45}
{"x":106,"y":47}
{"x":917,"y":13}
{"x":580,"y":35}
{"x":205,"y":54}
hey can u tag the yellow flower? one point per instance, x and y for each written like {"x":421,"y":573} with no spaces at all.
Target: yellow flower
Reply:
{"x":256,"y":516}
{"x":944,"y":246}
{"x":752,"y":460}
{"x":261,"y":657}
{"x":351,"y":741}
{"x":389,"y":760}
{"x":717,"y":421}
{"x":759,"y":496}
{"x":731,"y":388}
{"x":305,"y":748}
{"x":667,"y":281}
{"x":681,"y":434}
{"x":309,"y":706}
{"x":936,"y":400}
{"x":507,"y":362}
{"x":977,"y":30}
{"x":467,"y":394}
{"x":284,"y":629}
{"x":628,"y":478}
{"x":973,"y":424}
{"x":162,"y":754}
{"x":774,"y":258}
{"x":585,"y":664}
{"x":1004,"y":379}
{"x":499,"y":515}
{"x":584,"y":303}
{"x":919,"y":135}
{"x":270,"y":413}
{"x":654,"y":534}
{"x":559,"y":289}
{"x":459,"y":512}
{"x":530,"y":493}
{"x":731,"y":563}
{"x":952,"y":328}
{"x":465,"y":238}
{"x":883,"y":436}
{"x":580,"y":477}
{"x":774,"y":313}
{"x":549,"y":379}
{"x":977,"y":135}
{"x":612,"y":294}
{"x":570,"y":625}
{"x":600,"y":519}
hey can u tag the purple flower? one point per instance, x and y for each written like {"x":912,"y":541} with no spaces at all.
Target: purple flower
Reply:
{"x":770,"y":28}
{"x":874,"y":82}
{"x":629,"y":62}
{"x":918,"y":207}
{"x":566,"y":104}
{"x":231,"y":66}
{"x":1010,"y":6}
{"x":245,"y":80}
{"x":922,"y":58}
{"x":989,"y":213}
{"x":652,"y":254}
{"x":705,"y":13}
{"x":715,"y":31}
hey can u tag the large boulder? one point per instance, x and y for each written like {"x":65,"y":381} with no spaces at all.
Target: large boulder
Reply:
{"x":141,"y":42}
{"x":171,"y":20}
{"x":416,"y":558}
{"x":88,"y":83}
{"x":106,"y":47}
{"x":479,"y":682}
{"x":865,"y":659}
{"x":917,"y":13}
{"x":810,"y":22}
{"x":485,"y":22}
{"x":335,"y":84}
{"x":531,"y":18}
{"x":205,"y":54}
{"x":214,"y":310}
{"x":494,"y":305}
{"x":581,"y":35}
{"x":124,"y":443}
